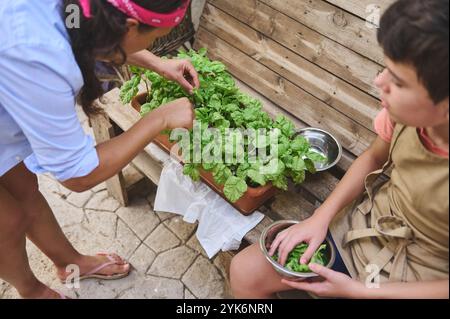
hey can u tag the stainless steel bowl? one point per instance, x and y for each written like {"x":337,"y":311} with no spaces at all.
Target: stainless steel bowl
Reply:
{"x":323,"y":143}
{"x":268,"y":236}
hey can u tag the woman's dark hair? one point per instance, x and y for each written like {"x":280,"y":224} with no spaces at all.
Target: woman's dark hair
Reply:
{"x":416,"y":32}
{"x":102,"y":35}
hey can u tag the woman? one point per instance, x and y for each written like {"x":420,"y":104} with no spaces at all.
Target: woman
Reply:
{"x":45,"y":64}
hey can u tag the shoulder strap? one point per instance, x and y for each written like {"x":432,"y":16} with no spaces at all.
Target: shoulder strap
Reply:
{"x":398,"y":131}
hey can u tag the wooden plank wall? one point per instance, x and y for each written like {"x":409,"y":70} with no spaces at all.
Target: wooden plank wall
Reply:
{"x":316,"y":60}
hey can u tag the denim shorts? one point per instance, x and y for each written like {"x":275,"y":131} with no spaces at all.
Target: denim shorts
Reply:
{"x":339,"y":264}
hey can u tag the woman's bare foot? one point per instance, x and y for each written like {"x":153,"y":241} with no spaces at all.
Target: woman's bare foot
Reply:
{"x":90,"y":263}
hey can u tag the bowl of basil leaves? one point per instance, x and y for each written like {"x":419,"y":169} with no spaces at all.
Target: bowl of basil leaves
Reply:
{"x":293,"y":270}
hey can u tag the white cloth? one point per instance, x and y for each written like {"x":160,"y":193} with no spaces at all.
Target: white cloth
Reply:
{"x":221,"y":226}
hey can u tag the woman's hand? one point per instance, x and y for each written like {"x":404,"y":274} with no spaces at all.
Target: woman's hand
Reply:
{"x":181,"y":71}
{"x":176,"y":114}
{"x":336,"y":284}
{"x":311,"y":231}
{"x":178,"y":70}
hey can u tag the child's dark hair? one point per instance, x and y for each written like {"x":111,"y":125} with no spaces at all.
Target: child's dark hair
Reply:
{"x":102,"y":35}
{"x":416,"y":32}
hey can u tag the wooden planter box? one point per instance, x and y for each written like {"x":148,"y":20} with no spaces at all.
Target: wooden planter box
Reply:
{"x":247,"y":204}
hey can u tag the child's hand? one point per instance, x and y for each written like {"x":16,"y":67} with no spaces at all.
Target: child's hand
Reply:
{"x":177,"y":114}
{"x":336,"y":284}
{"x":311,"y":231}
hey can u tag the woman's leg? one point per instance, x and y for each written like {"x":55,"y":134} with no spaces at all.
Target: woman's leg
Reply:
{"x":43,"y":229}
{"x":14,"y":266}
{"x":252,"y":276}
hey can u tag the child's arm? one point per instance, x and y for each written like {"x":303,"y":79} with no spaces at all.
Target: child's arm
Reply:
{"x":313,"y":230}
{"x":337,"y":284}
{"x":352,"y":184}
{"x":410,"y":290}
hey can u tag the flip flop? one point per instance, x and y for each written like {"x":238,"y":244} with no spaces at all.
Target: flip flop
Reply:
{"x":93,"y":273}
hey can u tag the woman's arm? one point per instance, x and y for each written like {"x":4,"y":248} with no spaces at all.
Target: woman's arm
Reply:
{"x":145,"y":59}
{"x":118,"y":152}
{"x":115,"y":154}
{"x":352,"y":184}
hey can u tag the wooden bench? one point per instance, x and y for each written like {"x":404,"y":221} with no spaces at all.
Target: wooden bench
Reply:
{"x":311,"y":60}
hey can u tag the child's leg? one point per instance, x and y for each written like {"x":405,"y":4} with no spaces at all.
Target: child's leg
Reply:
{"x":253,"y":277}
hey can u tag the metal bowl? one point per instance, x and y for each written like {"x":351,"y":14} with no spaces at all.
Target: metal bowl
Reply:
{"x":323,"y":143}
{"x":268,"y":236}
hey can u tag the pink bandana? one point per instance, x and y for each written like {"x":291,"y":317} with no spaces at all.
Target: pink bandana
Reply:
{"x":131,"y":9}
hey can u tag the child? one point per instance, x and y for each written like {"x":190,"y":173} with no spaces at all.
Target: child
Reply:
{"x":393,"y":232}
